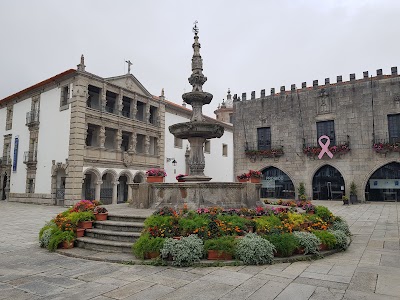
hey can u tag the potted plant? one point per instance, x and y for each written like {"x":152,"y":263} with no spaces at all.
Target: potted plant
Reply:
{"x":255,"y":176}
{"x":221,"y":248}
{"x":184,"y":252}
{"x":353,"y":193}
{"x":345,"y":200}
{"x":328,"y":240}
{"x":68,"y":238}
{"x":100,"y":213}
{"x":180,"y":178}
{"x":155,"y":175}
{"x":309,"y":208}
{"x":243,"y":177}
{"x":302,"y":192}
{"x":285,"y":243}
{"x":254,"y":250}
{"x":83,"y":219}
{"x":148,"y":247}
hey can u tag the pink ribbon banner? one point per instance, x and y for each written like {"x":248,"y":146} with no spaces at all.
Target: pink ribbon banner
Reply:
{"x":325,"y":147}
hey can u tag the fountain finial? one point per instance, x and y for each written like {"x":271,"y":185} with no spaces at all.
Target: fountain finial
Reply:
{"x":197,"y":79}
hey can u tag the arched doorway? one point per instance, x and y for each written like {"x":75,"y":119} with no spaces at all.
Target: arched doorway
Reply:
{"x":60,"y":184}
{"x":139,"y":178}
{"x":384,"y":184}
{"x":328,"y":183}
{"x":106,"y":190}
{"x":89,"y":184}
{"x":4,"y":195}
{"x":122,"y":189}
{"x":276,"y":184}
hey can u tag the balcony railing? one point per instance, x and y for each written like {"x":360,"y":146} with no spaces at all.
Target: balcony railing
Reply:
{"x":30,"y":157}
{"x":386,"y":145}
{"x":5,"y":160}
{"x":60,"y":193}
{"x":32,"y":117}
{"x":336,"y":148}
{"x":254,"y":153}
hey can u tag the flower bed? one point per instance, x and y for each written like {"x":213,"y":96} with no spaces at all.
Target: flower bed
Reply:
{"x":279,"y":231}
{"x":63,"y":228}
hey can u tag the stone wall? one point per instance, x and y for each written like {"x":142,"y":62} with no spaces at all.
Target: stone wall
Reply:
{"x":292,"y":115}
{"x":196,"y":194}
{"x":44,"y":199}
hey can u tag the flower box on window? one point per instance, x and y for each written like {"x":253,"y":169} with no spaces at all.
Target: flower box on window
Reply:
{"x":269,"y":153}
{"x":337,"y":149}
{"x":385,"y":147}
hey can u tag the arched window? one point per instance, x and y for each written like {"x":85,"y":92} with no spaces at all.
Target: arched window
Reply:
{"x":276,"y":184}
{"x":384,"y":184}
{"x":328,"y":183}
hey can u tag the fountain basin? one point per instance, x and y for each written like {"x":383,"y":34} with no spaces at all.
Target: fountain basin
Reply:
{"x":204,"y":130}
{"x":193,"y":97}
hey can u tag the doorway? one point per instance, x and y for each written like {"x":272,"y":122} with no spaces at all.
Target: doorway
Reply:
{"x":328,"y":184}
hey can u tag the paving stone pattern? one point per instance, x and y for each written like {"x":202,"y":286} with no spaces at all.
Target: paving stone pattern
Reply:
{"x":369,"y":269}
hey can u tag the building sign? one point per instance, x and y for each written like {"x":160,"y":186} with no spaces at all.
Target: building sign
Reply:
{"x":325,"y":147}
{"x":15,"y":160}
{"x":269,"y":182}
{"x":384,"y":184}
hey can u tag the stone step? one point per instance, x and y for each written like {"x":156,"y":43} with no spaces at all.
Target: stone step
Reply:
{"x":119,"y":226}
{"x":110,"y":235}
{"x":104,"y":245}
{"x":126,"y":218}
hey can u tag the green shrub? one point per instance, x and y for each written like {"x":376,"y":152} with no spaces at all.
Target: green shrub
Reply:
{"x":77,"y":217}
{"x":185,"y":251}
{"x":58,"y":237}
{"x":340,"y":224}
{"x":146,"y":244}
{"x":326,"y":237}
{"x":48,"y":225}
{"x":193,"y":224}
{"x":308,"y":241}
{"x":267,"y":224}
{"x":254,"y":250}
{"x":324,"y":213}
{"x":285,"y":244}
{"x":161,"y":226}
{"x":225,"y":244}
{"x":342,"y":240}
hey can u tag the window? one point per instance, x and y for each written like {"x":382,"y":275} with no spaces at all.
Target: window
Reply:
{"x":264,"y":138}
{"x":153,"y":115}
{"x":125,"y":141}
{"x":224,"y":150}
{"x":64,"y":95}
{"x":394,"y":128}
{"x":111,"y":99}
{"x":153,"y":146}
{"x":30,"y":186}
{"x":177,"y":142}
{"x":140,"y":143}
{"x":9,"y":117}
{"x":93,"y":100}
{"x":126,"y":107}
{"x":207,"y":146}
{"x":327,"y":128}
{"x":140,"y":110}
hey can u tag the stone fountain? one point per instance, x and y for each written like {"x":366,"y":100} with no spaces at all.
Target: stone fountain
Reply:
{"x":197,"y":130}
{"x":196,"y":191}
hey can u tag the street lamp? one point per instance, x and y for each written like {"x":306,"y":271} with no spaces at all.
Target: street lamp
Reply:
{"x":172,"y":160}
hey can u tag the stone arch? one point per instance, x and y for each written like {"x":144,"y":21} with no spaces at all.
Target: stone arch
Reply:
{"x":336,"y":190}
{"x":124,"y":178}
{"x":90,"y":184}
{"x":384,"y":193}
{"x":59,"y":175}
{"x":112,"y":172}
{"x":279,"y":187}
{"x":139,"y":177}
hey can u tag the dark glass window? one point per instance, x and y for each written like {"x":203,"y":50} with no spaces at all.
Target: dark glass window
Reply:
{"x":327,"y":128}
{"x":264,"y":138}
{"x":394,"y":128}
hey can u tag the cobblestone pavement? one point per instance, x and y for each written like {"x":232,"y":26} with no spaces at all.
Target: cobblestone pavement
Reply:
{"x":369,"y":269}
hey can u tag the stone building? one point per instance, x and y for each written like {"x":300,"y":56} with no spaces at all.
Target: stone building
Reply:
{"x":326,"y":136}
{"x":80,"y":136}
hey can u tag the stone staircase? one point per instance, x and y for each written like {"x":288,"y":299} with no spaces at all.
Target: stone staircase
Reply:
{"x":117,"y":234}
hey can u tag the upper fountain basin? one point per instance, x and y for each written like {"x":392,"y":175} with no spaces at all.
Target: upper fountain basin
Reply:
{"x":197,"y":129}
{"x":202,"y":97}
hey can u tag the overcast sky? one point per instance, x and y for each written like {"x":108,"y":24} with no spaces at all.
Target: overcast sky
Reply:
{"x":246,"y":45}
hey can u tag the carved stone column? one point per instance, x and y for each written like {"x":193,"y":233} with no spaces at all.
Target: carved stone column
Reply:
{"x":97,"y":190}
{"x":103,"y":99}
{"x":102,"y":136}
{"x":147,"y":144}
{"x":86,"y":132}
{"x":115,"y":192}
{"x":119,"y":102}
{"x":118,"y":139}
{"x":147,"y":113}
{"x":196,"y":156}
{"x":133,"y":109}
{"x":132,"y":144}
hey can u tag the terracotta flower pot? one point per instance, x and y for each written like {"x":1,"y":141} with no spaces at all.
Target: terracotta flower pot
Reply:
{"x":101,"y":216}
{"x":255,"y":180}
{"x":299,"y":251}
{"x":323,"y":247}
{"x":242,"y":179}
{"x":67,"y":245}
{"x":152,"y":179}
{"x":151,"y":255}
{"x":80,"y":232}
{"x":85,"y":224}
{"x":310,"y":212}
{"x":218,"y":255}
{"x":250,"y":228}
